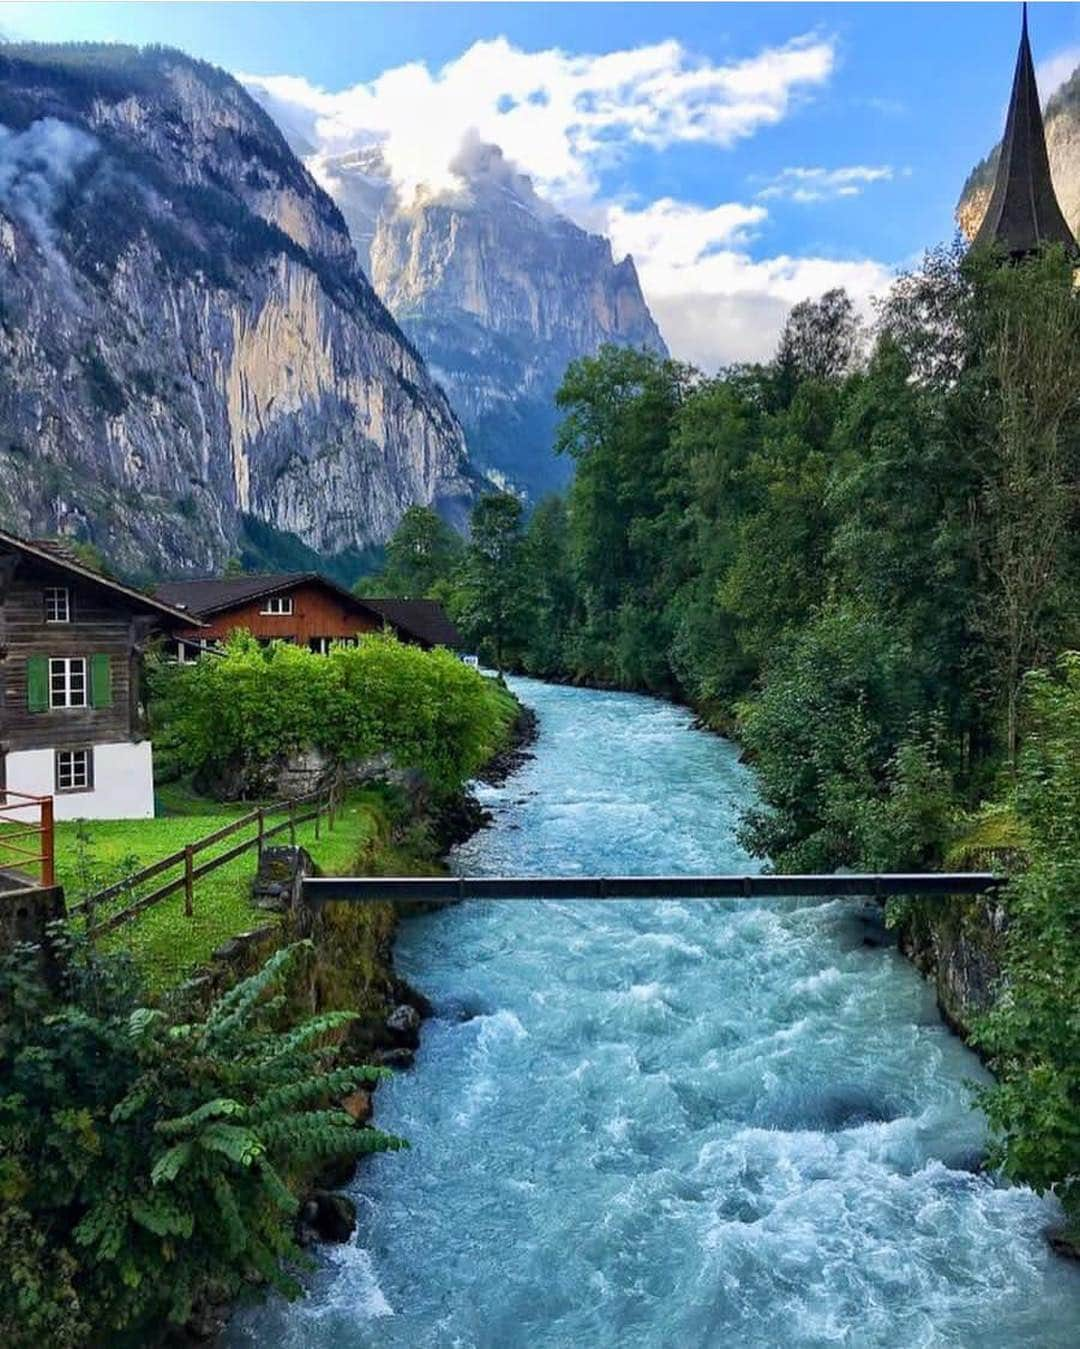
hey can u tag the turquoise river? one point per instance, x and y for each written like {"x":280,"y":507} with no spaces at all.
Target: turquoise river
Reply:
{"x":670,"y":1123}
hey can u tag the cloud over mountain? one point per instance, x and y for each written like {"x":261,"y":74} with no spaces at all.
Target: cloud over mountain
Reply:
{"x":569,"y":121}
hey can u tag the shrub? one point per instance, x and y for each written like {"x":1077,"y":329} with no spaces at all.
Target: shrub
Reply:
{"x":426,"y":709}
{"x":144,"y":1157}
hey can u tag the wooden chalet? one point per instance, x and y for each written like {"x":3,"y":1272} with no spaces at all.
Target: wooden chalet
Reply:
{"x":71,"y":718}
{"x":301,"y":607}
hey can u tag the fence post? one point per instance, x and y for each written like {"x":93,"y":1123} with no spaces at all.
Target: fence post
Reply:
{"x":189,"y":881}
{"x":48,"y":846}
{"x":318,"y":812}
{"x":262,"y":825}
{"x":292,"y":821}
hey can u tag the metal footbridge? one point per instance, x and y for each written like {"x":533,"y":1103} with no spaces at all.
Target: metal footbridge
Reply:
{"x":937,"y":884}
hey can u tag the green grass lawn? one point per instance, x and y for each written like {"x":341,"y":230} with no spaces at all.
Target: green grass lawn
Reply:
{"x":166,"y":944}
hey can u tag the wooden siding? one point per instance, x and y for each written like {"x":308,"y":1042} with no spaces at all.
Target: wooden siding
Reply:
{"x":100,"y":625}
{"x":316,"y":613}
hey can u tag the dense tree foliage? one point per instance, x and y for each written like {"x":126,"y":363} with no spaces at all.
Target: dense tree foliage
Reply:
{"x":146,"y":1157}
{"x":851,"y":555}
{"x":1033,"y":1033}
{"x":237,"y":715}
{"x":420,"y":558}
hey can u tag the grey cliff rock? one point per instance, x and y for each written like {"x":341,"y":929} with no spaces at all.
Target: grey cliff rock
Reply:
{"x":188,"y":344}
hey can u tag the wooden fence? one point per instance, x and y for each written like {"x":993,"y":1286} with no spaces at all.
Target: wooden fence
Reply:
{"x":36,"y":824}
{"x":298,"y":810}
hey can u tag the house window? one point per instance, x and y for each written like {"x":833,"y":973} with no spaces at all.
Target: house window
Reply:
{"x":67,"y":681}
{"x":320,"y":645}
{"x":57,"y":604}
{"x":74,"y":770}
{"x":278,"y":605}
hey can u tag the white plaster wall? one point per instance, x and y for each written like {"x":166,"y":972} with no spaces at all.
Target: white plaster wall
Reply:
{"x":123,"y":782}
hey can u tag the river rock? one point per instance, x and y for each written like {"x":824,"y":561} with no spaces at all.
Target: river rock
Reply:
{"x":395,"y":1058}
{"x":358,"y":1105}
{"x":327,"y":1216}
{"x":403,"y":1023}
{"x":1064,"y":1242}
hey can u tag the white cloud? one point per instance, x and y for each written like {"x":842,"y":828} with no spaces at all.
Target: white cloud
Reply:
{"x":816,"y":184}
{"x":715,"y":303}
{"x":1052,"y":73}
{"x":561,"y":117}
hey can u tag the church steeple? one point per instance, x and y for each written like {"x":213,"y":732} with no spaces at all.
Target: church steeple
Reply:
{"x":1024,"y":214}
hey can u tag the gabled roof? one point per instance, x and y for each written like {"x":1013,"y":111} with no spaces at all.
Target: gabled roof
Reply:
{"x":215,"y":594}
{"x":55,"y":555}
{"x":424,"y":620}
{"x":1024,"y":213}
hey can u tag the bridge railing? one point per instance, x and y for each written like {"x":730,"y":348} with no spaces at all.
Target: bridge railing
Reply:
{"x":321,"y":890}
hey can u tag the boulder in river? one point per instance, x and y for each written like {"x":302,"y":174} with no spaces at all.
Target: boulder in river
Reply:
{"x":327,"y":1216}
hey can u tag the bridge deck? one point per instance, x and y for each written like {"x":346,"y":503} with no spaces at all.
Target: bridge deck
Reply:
{"x":319,"y":890}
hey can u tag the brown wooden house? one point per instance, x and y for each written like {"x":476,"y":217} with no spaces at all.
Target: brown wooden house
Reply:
{"x":301,"y":607}
{"x":71,"y":721}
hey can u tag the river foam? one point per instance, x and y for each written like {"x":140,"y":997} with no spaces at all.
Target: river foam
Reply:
{"x":671,"y":1124}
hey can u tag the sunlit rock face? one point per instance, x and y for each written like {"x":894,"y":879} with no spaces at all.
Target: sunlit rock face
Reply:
{"x":498,"y":291}
{"x":186,"y":336}
{"x":1062,"y":123}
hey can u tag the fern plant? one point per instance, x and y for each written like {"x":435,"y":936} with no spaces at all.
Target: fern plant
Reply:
{"x":158,"y":1155}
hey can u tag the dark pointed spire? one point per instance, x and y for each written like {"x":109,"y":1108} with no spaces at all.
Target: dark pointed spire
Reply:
{"x":1024,"y":214}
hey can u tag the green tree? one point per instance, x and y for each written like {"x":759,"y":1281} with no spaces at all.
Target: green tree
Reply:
{"x":619,"y":409}
{"x":490,"y":600}
{"x":824,"y":734}
{"x":821,"y":341}
{"x":1033,"y":1033}
{"x":421,"y":558}
{"x":549,"y":588}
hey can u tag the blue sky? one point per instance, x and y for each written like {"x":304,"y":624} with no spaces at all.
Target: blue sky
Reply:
{"x":743,"y":152}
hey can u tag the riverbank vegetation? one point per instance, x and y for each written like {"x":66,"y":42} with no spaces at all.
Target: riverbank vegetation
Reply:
{"x":146,"y":1155}
{"x":166,"y":944}
{"x":852,"y":557}
{"x":158,"y":1132}
{"x":235,"y":720}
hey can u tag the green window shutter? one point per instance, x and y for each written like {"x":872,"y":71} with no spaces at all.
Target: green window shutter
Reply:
{"x":37,"y":683}
{"x":100,"y":681}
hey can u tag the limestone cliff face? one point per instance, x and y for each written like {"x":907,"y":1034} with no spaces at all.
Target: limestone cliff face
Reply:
{"x":187,"y":343}
{"x":499,"y":292}
{"x":1062,"y":122}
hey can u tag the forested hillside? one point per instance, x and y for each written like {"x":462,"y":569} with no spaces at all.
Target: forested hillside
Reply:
{"x":852,"y":557}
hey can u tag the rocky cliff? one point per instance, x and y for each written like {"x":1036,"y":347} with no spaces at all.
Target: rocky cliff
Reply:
{"x":1062,"y":121}
{"x":498,"y":291}
{"x":187,"y":343}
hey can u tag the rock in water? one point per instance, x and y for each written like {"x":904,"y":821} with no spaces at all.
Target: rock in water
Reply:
{"x":192,"y":356}
{"x":327,"y":1216}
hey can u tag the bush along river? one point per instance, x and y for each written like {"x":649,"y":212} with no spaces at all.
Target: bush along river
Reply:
{"x":666,"y":1123}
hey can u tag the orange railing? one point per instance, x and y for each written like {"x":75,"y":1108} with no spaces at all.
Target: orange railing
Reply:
{"x":35,"y":822}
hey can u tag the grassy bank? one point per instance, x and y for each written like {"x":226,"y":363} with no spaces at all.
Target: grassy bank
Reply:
{"x":168,"y":946}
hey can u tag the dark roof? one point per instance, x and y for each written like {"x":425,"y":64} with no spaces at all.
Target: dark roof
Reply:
{"x":1024,"y":213}
{"x":226,"y":592}
{"x":61,"y":558}
{"x":425,"y":619}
